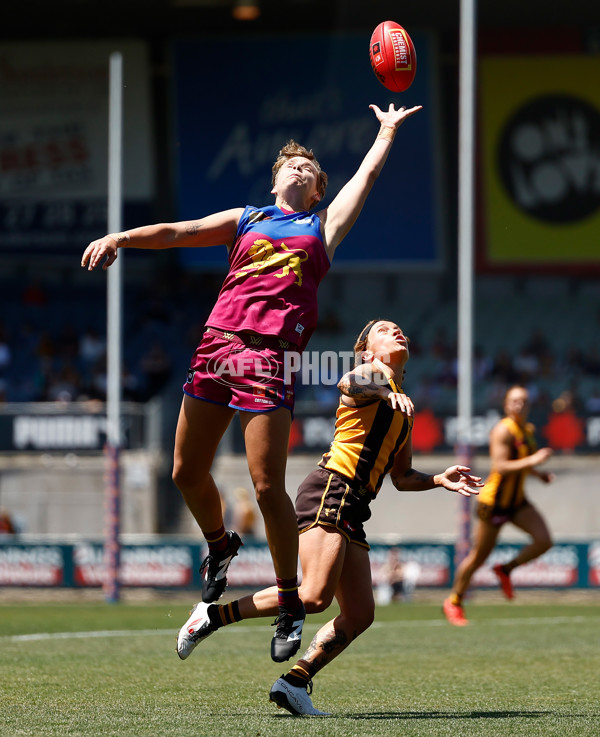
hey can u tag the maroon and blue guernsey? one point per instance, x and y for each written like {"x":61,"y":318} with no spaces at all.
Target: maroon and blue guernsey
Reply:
{"x":275,"y":267}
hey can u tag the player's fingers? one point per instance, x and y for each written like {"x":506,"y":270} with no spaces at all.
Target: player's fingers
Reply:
{"x":92,"y":258}
{"x":470,"y":478}
{"x":111,"y":257}
{"x":465,"y":490}
{"x":86,"y":255}
{"x":96,"y":257}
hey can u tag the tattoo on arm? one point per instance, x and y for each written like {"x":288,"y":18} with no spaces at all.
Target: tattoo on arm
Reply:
{"x":192,"y":228}
{"x":418,"y":475}
{"x":119,"y":237}
{"x":415,"y":479}
{"x":362,"y":386}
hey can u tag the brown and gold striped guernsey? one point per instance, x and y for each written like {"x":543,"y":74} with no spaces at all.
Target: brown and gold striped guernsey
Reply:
{"x":507,"y":491}
{"x":366,"y":441}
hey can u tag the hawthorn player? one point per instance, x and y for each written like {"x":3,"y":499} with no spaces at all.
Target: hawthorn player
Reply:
{"x":514,"y":455}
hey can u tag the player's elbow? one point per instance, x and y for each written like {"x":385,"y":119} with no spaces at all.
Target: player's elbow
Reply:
{"x":397,"y":480}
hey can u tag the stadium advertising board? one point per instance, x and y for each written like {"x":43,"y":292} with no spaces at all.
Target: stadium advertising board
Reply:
{"x":32,"y":565}
{"x":141,"y":565}
{"x":54,"y":143}
{"x":563,"y":431}
{"x":311,"y":432}
{"x":540,"y":127}
{"x":594,"y":564}
{"x":225,"y":160}
{"x":46,"y":429}
{"x":175,"y":564}
{"x":433,"y":563}
{"x":560,"y":567}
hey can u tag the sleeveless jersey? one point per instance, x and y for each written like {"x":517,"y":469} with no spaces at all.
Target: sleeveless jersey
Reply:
{"x":507,"y":491}
{"x":275,"y":267}
{"x":365,"y":443}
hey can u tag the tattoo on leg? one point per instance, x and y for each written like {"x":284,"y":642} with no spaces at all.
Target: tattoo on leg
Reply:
{"x":337,"y":641}
{"x":321,"y":651}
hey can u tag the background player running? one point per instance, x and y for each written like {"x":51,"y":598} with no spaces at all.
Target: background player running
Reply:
{"x":513,"y":456}
{"x":267,"y":304}
{"x":372,"y":439}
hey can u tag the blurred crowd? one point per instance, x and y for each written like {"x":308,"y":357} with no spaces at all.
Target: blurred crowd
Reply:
{"x":53,"y":348}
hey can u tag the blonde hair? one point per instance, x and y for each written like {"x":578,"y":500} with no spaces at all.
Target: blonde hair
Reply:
{"x":289,"y":151}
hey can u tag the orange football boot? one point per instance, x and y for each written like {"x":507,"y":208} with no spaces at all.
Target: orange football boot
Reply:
{"x":454,"y":613}
{"x":504,"y":580}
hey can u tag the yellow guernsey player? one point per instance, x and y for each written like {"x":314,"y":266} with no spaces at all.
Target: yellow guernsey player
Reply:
{"x":513,"y":456}
{"x":372,"y":439}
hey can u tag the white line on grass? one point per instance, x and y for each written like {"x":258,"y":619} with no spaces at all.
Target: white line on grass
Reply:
{"x":517,"y":621}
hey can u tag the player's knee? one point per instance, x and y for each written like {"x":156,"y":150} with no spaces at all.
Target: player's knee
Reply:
{"x":314,"y":603}
{"x":187,"y":479}
{"x":178,"y":476}
{"x":267,"y":492}
{"x":181,"y":478}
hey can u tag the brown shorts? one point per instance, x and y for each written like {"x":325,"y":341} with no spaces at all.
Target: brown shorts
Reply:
{"x":497,"y":516}
{"x":324,"y":498}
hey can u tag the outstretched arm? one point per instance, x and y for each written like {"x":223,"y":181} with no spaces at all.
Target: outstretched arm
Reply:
{"x":454,"y":478}
{"x":340,"y":216}
{"x":213,"y":230}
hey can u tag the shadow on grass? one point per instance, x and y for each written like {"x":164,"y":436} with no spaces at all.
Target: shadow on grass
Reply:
{"x":519,"y":714}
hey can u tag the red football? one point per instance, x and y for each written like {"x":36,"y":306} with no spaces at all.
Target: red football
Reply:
{"x":393,"y":56}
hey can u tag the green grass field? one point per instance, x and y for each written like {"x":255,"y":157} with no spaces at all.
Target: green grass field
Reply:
{"x":517,"y":670}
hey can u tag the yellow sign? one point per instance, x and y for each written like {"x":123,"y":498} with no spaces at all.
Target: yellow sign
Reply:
{"x":540,"y":124}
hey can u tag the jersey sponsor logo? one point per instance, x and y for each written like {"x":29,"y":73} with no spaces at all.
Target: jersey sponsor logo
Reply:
{"x":257,"y":216}
{"x":268,"y":392}
{"x":278,"y":263}
{"x":190,"y":376}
